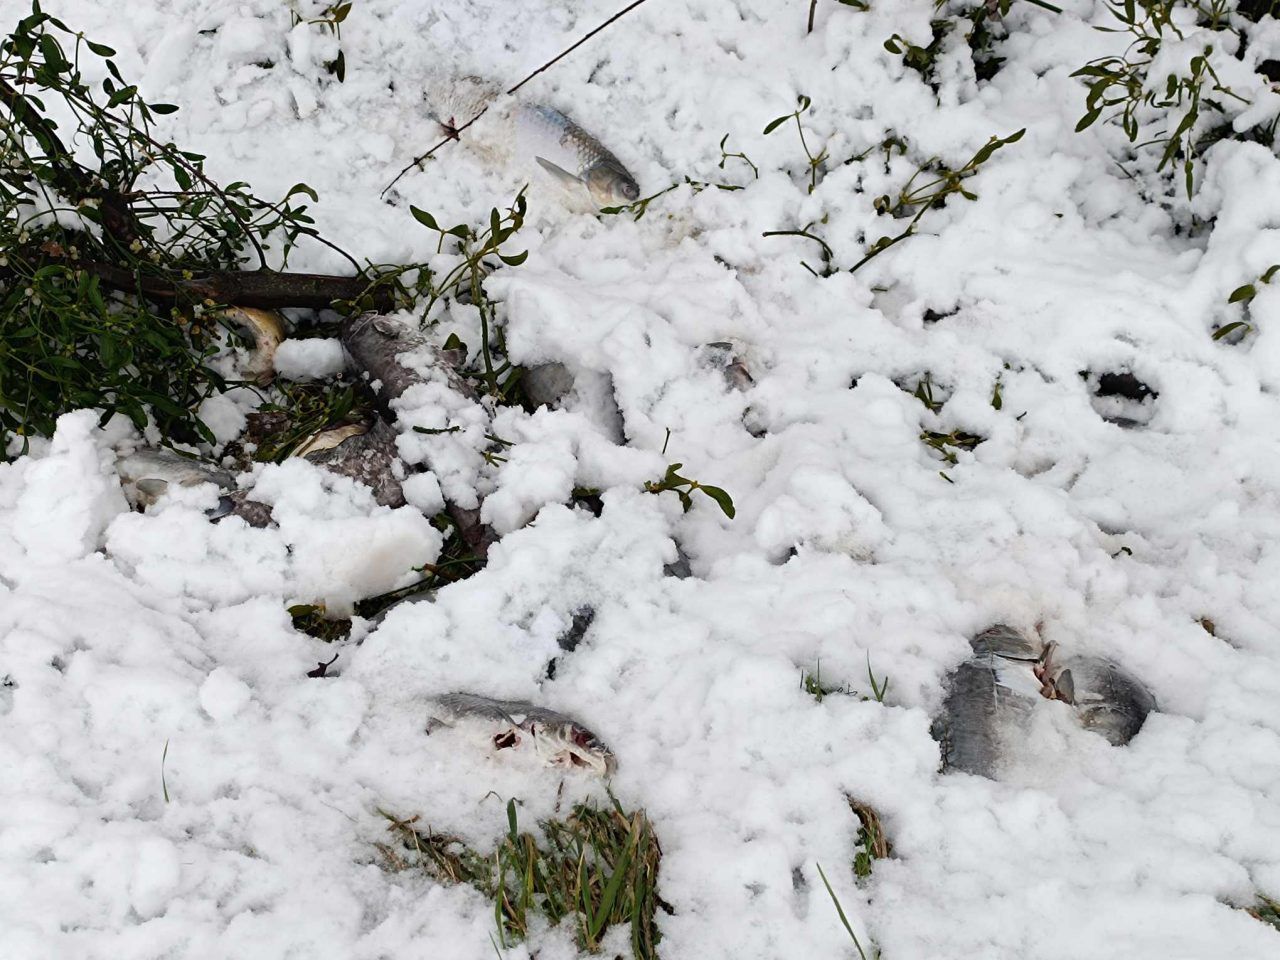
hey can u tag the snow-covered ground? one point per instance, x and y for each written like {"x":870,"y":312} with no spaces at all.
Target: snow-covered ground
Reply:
{"x":126,"y":636}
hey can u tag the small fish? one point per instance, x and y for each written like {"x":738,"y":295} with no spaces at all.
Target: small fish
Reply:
{"x":145,"y":475}
{"x":992,"y":693}
{"x":977,"y":711}
{"x":1107,"y":700}
{"x":558,"y":739}
{"x":267,"y":330}
{"x":574,"y":157}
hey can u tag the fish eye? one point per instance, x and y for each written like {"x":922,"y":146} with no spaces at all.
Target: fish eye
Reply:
{"x":630,"y":190}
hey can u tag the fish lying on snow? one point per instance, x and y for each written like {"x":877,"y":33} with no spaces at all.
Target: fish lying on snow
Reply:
{"x":572,"y":156}
{"x":990,"y":696}
{"x":557,"y":739}
{"x":145,"y":474}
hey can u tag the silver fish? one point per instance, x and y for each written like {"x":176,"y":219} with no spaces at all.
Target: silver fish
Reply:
{"x":1107,"y":700}
{"x":991,"y":694}
{"x":975,"y":714}
{"x":574,"y":157}
{"x":558,"y":739}
{"x":147,"y":473}
{"x":267,"y":329}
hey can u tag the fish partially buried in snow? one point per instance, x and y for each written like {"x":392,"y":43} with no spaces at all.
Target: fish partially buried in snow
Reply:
{"x":572,"y":156}
{"x":990,"y":697}
{"x":557,"y":739}
{"x":146,"y":473}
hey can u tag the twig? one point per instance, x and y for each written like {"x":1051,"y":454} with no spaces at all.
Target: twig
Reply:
{"x":813,"y":7}
{"x":454,"y":131}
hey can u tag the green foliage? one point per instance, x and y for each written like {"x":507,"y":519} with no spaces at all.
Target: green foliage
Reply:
{"x":1266,"y":910}
{"x":594,"y":869}
{"x":811,"y":683}
{"x":946,"y":444}
{"x":331,"y":18}
{"x":1121,"y":82}
{"x":871,"y":843}
{"x":844,"y":920}
{"x":477,"y":249}
{"x":940,"y":183}
{"x":683,"y":487}
{"x":815,"y":160}
{"x":102,"y":271}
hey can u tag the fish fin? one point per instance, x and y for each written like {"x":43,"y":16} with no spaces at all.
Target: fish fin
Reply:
{"x":1066,"y":687}
{"x":152,"y":486}
{"x":561,"y":175}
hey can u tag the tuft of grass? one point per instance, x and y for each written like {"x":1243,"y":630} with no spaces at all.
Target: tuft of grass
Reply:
{"x":1266,"y":910}
{"x":164,"y":787}
{"x":811,"y":683}
{"x":872,"y":844}
{"x":946,"y":444}
{"x":595,"y":869}
{"x":844,"y":919}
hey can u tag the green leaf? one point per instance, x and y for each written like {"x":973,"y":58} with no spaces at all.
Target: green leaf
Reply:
{"x":340,"y":12}
{"x":1088,"y":119}
{"x":52,"y":54}
{"x":163,"y":108}
{"x":424,"y":218}
{"x":773,"y":125}
{"x":514,"y":260}
{"x":1271,"y":272}
{"x":721,"y":497}
{"x":121,"y":95}
{"x":101,"y":49}
{"x":298,"y":188}
{"x":511,"y":819}
{"x":1246,"y":293}
{"x":1225,"y":331}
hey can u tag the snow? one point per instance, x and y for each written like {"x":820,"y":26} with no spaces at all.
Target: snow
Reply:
{"x":151,"y":653}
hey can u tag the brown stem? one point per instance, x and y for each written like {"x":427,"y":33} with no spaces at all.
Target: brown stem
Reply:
{"x":266,"y":289}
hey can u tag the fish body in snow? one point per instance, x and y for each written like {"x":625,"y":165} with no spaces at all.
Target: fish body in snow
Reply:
{"x":145,"y":474}
{"x":557,"y":738}
{"x":991,"y":695}
{"x":572,"y":156}
{"x":266,"y":327}
{"x":1107,"y":700}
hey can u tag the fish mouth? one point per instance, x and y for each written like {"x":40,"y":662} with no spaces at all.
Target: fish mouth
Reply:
{"x":573,"y":747}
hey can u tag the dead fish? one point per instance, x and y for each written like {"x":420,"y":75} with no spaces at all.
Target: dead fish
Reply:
{"x":145,"y":474}
{"x":572,"y":156}
{"x":558,"y":739}
{"x":992,"y":693}
{"x":266,"y":327}
{"x":1107,"y":700}
{"x":722,"y":356}
{"x":976,"y":713}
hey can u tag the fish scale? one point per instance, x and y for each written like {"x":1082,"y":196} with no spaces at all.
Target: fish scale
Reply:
{"x":572,"y":155}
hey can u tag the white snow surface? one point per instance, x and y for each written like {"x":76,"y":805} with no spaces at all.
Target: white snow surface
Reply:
{"x":175,"y":786}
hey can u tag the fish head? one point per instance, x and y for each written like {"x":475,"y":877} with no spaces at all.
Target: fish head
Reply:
{"x":572,"y":745}
{"x":611,"y":185}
